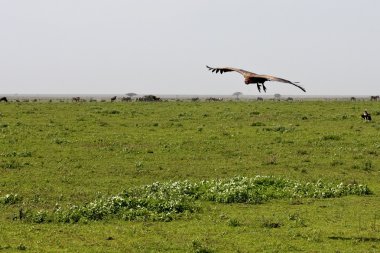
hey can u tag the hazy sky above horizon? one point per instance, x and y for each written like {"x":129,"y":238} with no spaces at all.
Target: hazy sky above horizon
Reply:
{"x":332,"y":47}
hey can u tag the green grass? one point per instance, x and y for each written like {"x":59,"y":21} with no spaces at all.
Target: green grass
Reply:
{"x":74,"y":154}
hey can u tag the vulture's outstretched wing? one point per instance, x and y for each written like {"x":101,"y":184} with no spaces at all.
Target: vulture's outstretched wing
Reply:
{"x":277,"y":79}
{"x":228,"y":69}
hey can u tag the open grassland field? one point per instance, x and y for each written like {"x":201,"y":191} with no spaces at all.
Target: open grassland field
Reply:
{"x":189,"y":177}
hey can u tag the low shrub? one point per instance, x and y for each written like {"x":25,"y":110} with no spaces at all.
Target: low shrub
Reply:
{"x":170,"y":200}
{"x":10,"y":199}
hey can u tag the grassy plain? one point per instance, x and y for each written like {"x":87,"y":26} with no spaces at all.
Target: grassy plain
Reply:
{"x":73,"y":153}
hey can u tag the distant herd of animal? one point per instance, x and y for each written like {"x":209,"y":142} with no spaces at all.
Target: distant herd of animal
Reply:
{"x":147,"y":98}
{"x":152,"y":98}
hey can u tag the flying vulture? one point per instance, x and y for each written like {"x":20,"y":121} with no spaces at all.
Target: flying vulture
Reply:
{"x":250,"y":77}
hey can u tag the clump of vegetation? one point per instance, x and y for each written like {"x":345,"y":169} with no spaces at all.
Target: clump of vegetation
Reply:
{"x":105,"y":112}
{"x":335,"y":163}
{"x":21,"y":247}
{"x":198,"y":247}
{"x":10,"y":199}
{"x":297,"y":219}
{"x":12,"y":164}
{"x":170,"y":200}
{"x":302,"y":152}
{"x":258,"y":124}
{"x":233,"y":223}
{"x":254,"y":113}
{"x":368,"y":166}
{"x":263,"y":188}
{"x":280,"y":129}
{"x":270,"y":223}
{"x":60,"y":141}
{"x":156,"y":202}
{"x":331,"y":137}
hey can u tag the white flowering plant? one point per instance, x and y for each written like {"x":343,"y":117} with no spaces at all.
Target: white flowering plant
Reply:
{"x":166,"y":201}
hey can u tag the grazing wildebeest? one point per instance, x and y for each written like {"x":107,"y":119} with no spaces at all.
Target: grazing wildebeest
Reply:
{"x":366,"y":116}
{"x":374,"y":98}
{"x":289,"y":99}
{"x":76,"y":99}
{"x":126,"y":99}
{"x":149,"y":98}
{"x":113,"y":98}
{"x":260,"y":99}
{"x":214,"y":99}
{"x":353,"y":98}
{"x":4,"y":99}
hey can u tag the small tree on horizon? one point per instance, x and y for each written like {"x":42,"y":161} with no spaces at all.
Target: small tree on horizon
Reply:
{"x":131,"y":94}
{"x":237,"y":94}
{"x":277,"y":96}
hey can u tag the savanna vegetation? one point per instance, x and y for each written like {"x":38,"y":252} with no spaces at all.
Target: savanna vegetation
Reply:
{"x":181,"y":176}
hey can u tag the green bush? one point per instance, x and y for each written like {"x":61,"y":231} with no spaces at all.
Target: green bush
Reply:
{"x":169,"y":200}
{"x":10,"y":199}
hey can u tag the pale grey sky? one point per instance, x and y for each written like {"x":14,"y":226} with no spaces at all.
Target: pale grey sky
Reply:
{"x":332,"y":47}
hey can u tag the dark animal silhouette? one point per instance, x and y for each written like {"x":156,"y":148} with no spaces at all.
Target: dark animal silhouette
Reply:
{"x":4,"y":99}
{"x":250,"y":77}
{"x":353,"y":99}
{"x":366,"y":116}
{"x":214,"y":99}
{"x":260,"y":99}
{"x":126,"y":99}
{"x":76,"y":99}
{"x":374,"y":98}
{"x":113,"y":98}
{"x":149,"y":98}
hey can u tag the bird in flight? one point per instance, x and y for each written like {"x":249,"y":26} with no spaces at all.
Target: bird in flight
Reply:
{"x":250,"y":77}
